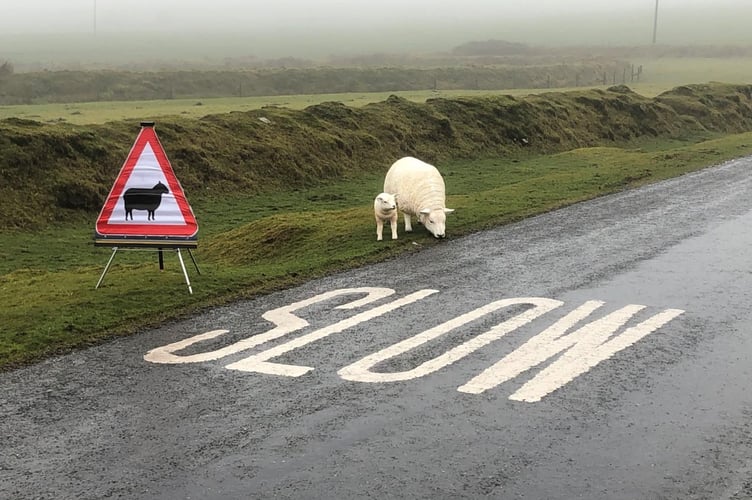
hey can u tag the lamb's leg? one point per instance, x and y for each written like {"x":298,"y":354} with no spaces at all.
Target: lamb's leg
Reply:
{"x":393,"y":222}
{"x":379,"y":229}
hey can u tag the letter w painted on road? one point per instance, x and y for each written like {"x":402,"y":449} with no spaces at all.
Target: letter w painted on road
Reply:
{"x":582,"y":350}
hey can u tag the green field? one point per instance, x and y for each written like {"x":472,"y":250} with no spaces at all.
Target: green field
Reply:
{"x":254,"y":242}
{"x":251,"y":245}
{"x":659,"y":76}
{"x":102,"y":112}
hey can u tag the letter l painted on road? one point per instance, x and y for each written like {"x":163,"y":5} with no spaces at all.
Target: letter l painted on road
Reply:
{"x":259,"y":362}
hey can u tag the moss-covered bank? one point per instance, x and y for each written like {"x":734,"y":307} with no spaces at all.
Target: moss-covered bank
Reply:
{"x":52,"y":173}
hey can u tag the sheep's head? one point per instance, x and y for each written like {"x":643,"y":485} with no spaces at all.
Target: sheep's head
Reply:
{"x":385,"y":202}
{"x":435,"y":220}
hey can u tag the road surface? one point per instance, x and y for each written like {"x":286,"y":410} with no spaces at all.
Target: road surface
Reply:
{"x":599,"y":351}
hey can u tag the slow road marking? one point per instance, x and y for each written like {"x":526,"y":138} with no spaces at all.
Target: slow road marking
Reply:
{"x":573,"y":346}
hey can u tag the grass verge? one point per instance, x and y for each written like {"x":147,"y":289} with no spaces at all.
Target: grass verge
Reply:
{"x":254,"y":245}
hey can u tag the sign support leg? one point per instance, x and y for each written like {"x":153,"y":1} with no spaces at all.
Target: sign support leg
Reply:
{"x":107,"y":267}
{"x":161,"y":260}
{"x":194,"y":260}
{"x":185,"y":273}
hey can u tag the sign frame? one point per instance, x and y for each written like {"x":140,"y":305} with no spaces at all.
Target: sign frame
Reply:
{"x":147,"y":155}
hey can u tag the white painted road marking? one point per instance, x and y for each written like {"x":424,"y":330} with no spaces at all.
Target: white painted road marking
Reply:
{"x":577,"y":352}
{"x":582,"y":350}
{"x":360,"y":371}
{"x":282,"y":317}
{"x":259,"y":362}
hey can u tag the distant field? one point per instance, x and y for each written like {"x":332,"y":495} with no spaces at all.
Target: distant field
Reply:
{"x":101,"y":112}
{"x":658,"y":76}
{"x":663,"y":72}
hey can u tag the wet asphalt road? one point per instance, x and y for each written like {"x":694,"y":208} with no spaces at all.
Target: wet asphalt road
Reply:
{"x":663,"y":414}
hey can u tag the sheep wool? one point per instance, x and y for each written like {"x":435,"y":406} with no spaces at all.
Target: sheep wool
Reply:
{"x":420,"y":193}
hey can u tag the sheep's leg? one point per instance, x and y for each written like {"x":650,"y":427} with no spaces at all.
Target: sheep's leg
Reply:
{"x":393,"y":223}
{"x":408,"y":225}
{"x":379,"y":229}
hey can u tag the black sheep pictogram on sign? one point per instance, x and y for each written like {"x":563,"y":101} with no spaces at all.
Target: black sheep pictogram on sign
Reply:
{"x":147,"y":199}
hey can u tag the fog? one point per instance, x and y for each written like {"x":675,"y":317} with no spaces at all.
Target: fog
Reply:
{"x":303,"y":28}
{"x":72,"y":16}
{"x":55,"y":16}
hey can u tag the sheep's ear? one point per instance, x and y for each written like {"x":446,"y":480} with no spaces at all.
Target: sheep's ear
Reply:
{"x":395,"y":196}
{"x":426,"y":211}
{"x":448,"y":210}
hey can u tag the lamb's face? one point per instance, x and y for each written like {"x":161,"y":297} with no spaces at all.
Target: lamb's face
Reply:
{"x":435,"y":222}
{"x":385,"y":202}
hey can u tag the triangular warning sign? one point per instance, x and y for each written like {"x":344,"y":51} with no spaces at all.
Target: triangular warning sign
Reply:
{"x":146,"y":205}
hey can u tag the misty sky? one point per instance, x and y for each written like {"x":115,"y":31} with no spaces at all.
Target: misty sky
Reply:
{"x":72,"y":16}
{"x":39,"y":32}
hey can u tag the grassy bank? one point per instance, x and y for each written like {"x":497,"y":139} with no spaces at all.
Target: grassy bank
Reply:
{"x":256,"y":244}
{"x":284,"y":195}
{"x":59,"y":173}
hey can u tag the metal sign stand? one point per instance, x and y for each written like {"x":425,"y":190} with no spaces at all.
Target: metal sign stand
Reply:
{"x":161,"y":265}
{"x":146,"y":182}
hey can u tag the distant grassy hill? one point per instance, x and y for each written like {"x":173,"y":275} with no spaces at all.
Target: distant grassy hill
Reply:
{"x":54,"y":173}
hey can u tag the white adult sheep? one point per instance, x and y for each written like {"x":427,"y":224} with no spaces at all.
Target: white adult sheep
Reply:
{"x":420,"y":190}
{"x":385,"y":209}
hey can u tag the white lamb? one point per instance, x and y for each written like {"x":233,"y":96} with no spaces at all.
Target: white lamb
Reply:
{"x":420,"y":190}
{"x":385,"y":209}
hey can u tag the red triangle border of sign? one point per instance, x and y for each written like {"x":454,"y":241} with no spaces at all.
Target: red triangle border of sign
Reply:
{"x":107,"y":230}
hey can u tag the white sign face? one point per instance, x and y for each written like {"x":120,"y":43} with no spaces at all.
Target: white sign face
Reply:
{"x":146,"y":200}
{"x":577,"y":341}
{"x":147,"y":182}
